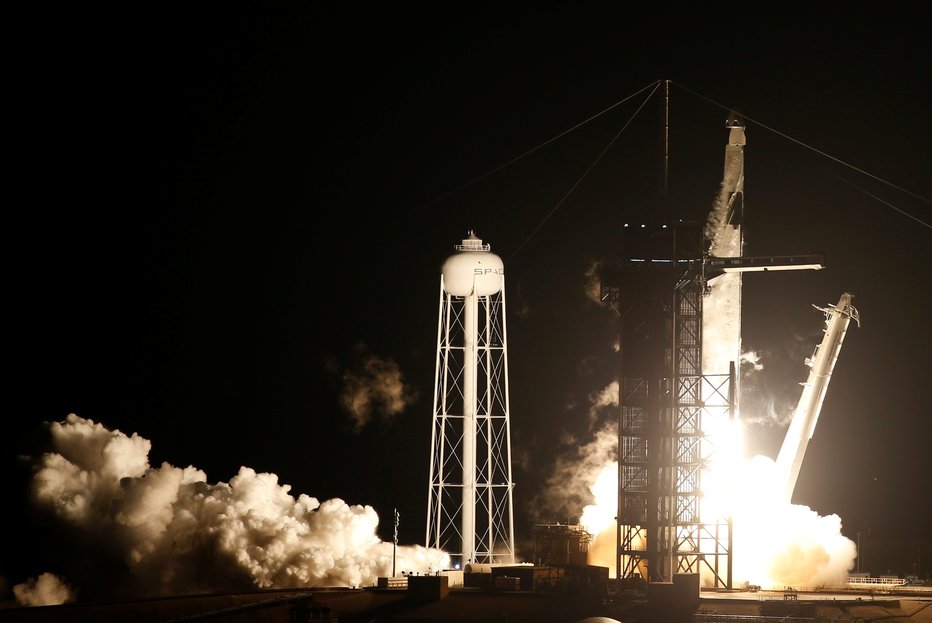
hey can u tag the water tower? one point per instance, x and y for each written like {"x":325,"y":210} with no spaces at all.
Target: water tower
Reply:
{"x":469,"y":507}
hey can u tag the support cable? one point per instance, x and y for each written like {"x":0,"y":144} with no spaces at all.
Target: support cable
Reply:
{"x":822,"y":153}
{"x":586,"y":172}
{"x":542,"y":145}
{"x":875,"y":197}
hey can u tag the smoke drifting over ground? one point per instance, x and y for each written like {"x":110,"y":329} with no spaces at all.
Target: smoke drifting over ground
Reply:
{"x":166,"y":530}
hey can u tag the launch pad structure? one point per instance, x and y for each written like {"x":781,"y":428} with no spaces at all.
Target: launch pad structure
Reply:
{"x":673,"y":283}
{"x":670,"y":394}
{"x":664,"y":401}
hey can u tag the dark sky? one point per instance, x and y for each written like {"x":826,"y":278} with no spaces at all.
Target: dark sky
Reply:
{"x":218,"y":211}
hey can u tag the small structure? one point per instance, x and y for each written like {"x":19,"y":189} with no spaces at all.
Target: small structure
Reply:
{"x":399,"y":582}
{"x":428,"y":587}
{"x":560,"y":544}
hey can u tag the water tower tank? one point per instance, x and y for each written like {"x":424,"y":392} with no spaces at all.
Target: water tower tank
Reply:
{"x":473,"y":270}
{"x":469,"y":502}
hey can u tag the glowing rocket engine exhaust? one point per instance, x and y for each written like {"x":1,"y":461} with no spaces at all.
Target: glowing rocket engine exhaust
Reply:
{"x":802,"y":427}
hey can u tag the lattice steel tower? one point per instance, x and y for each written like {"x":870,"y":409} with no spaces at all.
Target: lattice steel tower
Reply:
{"x":668,"y":399}
{"x":469,"y":507}
{"x":677,"y":289}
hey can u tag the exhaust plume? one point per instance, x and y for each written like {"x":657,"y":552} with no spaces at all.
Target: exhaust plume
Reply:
{"x":375,"y":386}
{"x":166,"y":530}
{"x":45,"y":590}
{"x":569,"y":487}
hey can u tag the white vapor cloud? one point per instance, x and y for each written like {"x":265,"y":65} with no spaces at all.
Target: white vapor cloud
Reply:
{"x":45,"y":590}
{"x":598,"y":401}
{"x":170,"y":531}
{"x":568,"y":489}
{"x":375,"y":386}
{"x":752,"y":359}
{"x":593,"y":282}
{"x":779,"y":544}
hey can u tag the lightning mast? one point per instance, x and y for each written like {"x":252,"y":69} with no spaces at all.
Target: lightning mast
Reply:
{"x":469,"y":508}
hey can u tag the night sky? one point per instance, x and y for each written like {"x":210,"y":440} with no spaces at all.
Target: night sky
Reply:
{"x":219,"y":213}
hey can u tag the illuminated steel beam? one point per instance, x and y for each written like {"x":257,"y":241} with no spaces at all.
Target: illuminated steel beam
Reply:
{"x":821,"y":364}
{"x":718,"y":265}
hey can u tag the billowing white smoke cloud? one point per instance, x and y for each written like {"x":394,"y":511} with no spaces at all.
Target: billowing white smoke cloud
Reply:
{"x":606,"y":397}
{"x":775,"y":544}
{"x":778,"y":544}
{"x":569,"y":487}
{"x":175,"y":533}
{"x":752,"y":360}
{"x":375,"y":386}
{"x":45,"y":590}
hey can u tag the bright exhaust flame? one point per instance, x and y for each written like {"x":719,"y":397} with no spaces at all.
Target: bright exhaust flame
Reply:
{"x":599,"y":517}
{"x":775,"y":544}
{"x":780,"y":544}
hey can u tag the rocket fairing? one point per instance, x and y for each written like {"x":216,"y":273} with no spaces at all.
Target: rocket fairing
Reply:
{"x":821,"y":364}
{"x":721,"y":324}
{"x":733,"y":180}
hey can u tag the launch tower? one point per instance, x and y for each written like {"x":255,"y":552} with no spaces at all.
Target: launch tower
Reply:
{"x":469,"y":508}
{"x":671,"y":278}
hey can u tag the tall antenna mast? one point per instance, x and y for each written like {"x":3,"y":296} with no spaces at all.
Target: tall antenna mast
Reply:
{"x":665,"y":152}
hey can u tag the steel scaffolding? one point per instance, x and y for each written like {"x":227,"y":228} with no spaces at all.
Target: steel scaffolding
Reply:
{"x":663,"y":446}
